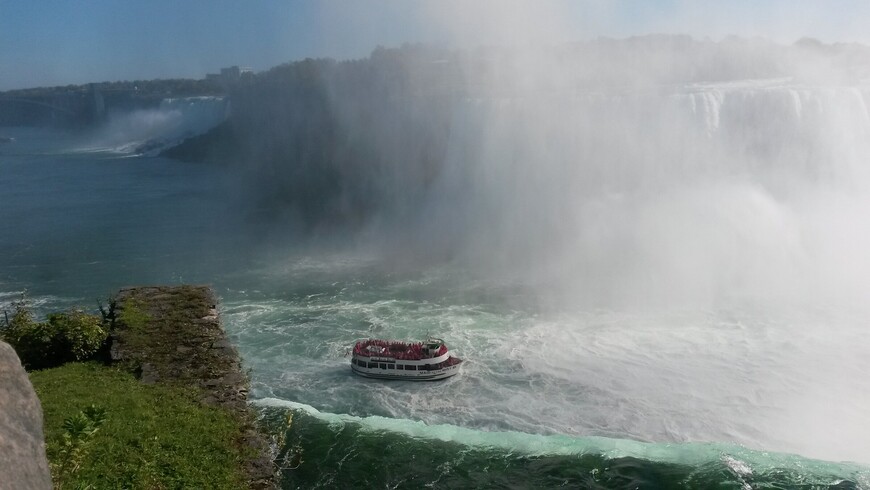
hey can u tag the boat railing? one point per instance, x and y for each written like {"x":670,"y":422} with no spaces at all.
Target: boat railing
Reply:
{"x":399,"y":350}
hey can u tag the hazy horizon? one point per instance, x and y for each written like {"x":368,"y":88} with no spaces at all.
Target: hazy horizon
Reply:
{"x":54,"y":43}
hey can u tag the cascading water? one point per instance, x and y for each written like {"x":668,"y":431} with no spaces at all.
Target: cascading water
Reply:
{"x":748,"y":189}
{"x":148,"y":131}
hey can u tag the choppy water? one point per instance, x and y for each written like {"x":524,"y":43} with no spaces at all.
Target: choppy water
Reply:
{"x":553,"y":394}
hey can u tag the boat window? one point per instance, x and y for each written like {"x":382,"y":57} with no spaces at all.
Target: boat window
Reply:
{"x":373,"y":364}
{"x":383,"y":366}
{"x":390,"y":366}
{"x":400,"y":366}
{"x":411,"y":368}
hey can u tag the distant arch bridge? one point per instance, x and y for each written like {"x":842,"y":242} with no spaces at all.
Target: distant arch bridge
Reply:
{"x":38,"y":103}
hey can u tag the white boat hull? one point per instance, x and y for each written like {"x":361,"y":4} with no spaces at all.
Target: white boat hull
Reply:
{"x":432,"y":375}
{"x":391,"y":359}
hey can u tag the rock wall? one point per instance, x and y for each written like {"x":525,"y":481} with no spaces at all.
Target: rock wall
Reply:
{"x":23,"y":464}
{"x":173,"y":334}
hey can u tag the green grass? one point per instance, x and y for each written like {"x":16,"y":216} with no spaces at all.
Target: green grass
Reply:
{"x":154,"y":436}
{"x":132,"y":315}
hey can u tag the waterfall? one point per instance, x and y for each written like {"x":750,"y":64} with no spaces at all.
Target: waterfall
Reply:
{"x":148,"y":131}
{"x":751,"y":188}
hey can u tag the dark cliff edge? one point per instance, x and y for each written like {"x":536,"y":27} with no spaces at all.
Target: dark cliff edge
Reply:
{"x":220,"y":145}
{"x":173,"y":335}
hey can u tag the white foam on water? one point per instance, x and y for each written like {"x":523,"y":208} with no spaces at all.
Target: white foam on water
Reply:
{"x":670,"y":377}
{"x":742,"y":461}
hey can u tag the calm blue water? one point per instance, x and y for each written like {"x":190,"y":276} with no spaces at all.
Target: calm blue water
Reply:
{"x":551,"y":396}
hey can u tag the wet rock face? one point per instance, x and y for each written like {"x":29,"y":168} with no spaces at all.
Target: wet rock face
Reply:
{"x":22,"y":444}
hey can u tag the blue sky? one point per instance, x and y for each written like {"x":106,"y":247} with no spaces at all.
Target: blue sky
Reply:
{"x":50,"y":42}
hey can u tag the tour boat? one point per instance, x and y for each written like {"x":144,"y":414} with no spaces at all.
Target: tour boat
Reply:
{"x":413,"y":361}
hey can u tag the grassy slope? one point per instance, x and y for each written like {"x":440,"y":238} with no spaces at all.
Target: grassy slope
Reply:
{"x":155,"y":436}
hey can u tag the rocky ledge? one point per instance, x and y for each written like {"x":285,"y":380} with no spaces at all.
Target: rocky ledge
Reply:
{"x":173,"y":335}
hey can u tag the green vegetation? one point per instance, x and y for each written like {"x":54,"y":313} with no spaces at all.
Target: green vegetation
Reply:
{"x":78,"y":432}
{"x":70,"y":336}
{"x":132,"y":315}
{"x":184,"y":424}
{"x":162,"y":327}
{"x":151,"y":436}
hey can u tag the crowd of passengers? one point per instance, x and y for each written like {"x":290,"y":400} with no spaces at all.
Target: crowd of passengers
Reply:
{"x":397,"y":350}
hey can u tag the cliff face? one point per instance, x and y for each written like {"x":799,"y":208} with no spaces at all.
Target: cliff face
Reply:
{"x":388,"y":139}
{"x":23,"y":464}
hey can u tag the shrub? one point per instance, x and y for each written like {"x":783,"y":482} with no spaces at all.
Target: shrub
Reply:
{"x":70,"y":336}
{"x":79,"y":335}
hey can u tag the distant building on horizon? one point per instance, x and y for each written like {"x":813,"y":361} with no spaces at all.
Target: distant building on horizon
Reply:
{"x":230,"y":76}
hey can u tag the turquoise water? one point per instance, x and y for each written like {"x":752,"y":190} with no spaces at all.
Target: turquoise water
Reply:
{"x":554,"y":393}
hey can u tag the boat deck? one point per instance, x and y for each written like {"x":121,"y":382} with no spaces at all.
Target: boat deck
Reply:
{"x":404,"y":351}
